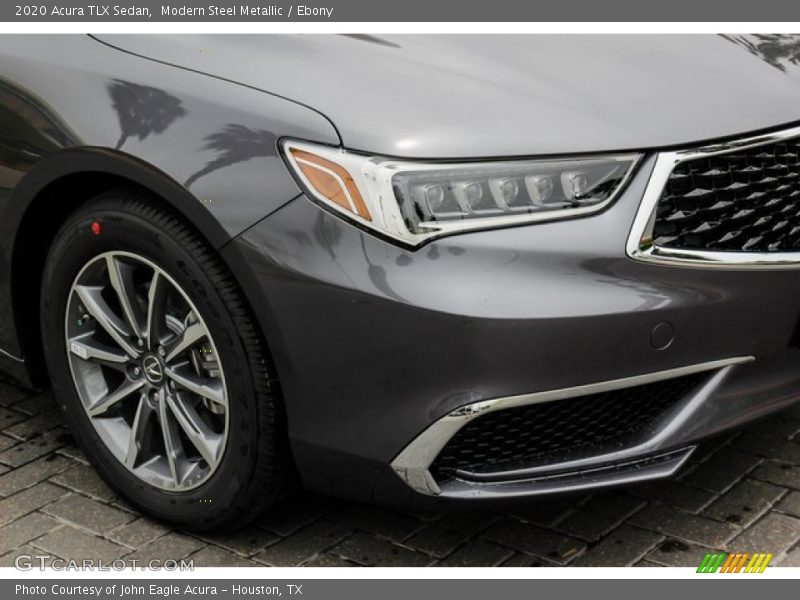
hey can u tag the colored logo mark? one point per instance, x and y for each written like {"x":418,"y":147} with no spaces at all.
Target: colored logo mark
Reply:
{"x":742,"y":562}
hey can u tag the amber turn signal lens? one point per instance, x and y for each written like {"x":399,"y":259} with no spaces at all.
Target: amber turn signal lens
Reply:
{"x":331,"y":181}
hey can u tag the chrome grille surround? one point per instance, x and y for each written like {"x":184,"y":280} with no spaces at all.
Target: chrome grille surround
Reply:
{"x":640,"y":245}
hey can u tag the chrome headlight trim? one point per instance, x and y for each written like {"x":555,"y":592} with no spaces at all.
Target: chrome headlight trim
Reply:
{"x":373,"y":176}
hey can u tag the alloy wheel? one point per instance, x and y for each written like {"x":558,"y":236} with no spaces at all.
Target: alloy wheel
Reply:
{"x":147,"y":371}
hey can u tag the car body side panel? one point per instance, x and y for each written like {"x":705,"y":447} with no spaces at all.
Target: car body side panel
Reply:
{"x":69,"y":103}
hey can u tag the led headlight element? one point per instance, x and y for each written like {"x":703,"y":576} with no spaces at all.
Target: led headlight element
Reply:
{"x":415,"y":201}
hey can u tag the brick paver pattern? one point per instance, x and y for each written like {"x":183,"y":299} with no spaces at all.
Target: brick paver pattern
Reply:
{"x":739,"y":493}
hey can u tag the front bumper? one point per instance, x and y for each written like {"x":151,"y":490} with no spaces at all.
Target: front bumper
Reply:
{"x":375,"y":345}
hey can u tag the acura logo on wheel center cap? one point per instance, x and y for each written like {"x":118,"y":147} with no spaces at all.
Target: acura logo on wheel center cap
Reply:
{"x":152,"y":368}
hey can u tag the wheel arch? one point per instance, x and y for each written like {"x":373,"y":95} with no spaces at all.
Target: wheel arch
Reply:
{"x":53,"y":189}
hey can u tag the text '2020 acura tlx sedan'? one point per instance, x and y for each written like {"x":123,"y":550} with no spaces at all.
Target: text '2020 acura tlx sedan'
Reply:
{"x":398,"y":269}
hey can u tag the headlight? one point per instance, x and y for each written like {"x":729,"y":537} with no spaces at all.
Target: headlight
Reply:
{"x":414,"y":201}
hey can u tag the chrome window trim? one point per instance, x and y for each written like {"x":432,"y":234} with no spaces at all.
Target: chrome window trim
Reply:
{"x":640,"y":245}
{"x":412,"y":465}
{"x":11,"y":356}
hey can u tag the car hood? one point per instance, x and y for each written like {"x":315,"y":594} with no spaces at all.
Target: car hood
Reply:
{"x":509,"y":95}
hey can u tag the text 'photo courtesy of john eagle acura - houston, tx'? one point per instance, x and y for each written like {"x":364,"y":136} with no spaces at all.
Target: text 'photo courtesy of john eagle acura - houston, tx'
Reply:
{"x":409,"y":270}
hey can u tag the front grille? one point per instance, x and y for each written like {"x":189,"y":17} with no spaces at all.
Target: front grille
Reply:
{"x":745,"y":201}
{"x":549,"y":432}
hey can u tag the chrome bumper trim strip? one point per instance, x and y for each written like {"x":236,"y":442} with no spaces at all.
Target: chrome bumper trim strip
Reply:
{"x":634,"y":471}
{"x":412,"y":465}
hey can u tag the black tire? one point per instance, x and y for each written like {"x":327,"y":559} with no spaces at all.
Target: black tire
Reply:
{"x":254,"y":470}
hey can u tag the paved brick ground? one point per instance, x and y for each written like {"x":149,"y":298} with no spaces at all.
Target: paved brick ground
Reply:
{"x":739,"y":493}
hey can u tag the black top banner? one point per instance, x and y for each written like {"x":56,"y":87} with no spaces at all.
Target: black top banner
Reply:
{"x":405,"y":11}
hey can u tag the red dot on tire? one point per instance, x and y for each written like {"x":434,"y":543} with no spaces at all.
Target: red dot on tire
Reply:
{"x":95,"y":228}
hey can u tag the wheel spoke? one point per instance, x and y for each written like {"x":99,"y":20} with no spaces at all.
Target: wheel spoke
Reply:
{"x":87,"y":348}
{"x":120,"y":276}
{"x":211,"y":389}
{"x":92,"y":300}
{"x":172,"y":443}
{"x":155,"y":309}
{"x":207,"y":443}
{"x":140,"y":421}
{"x":188,"y":337}
{"x":122,"y":392}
